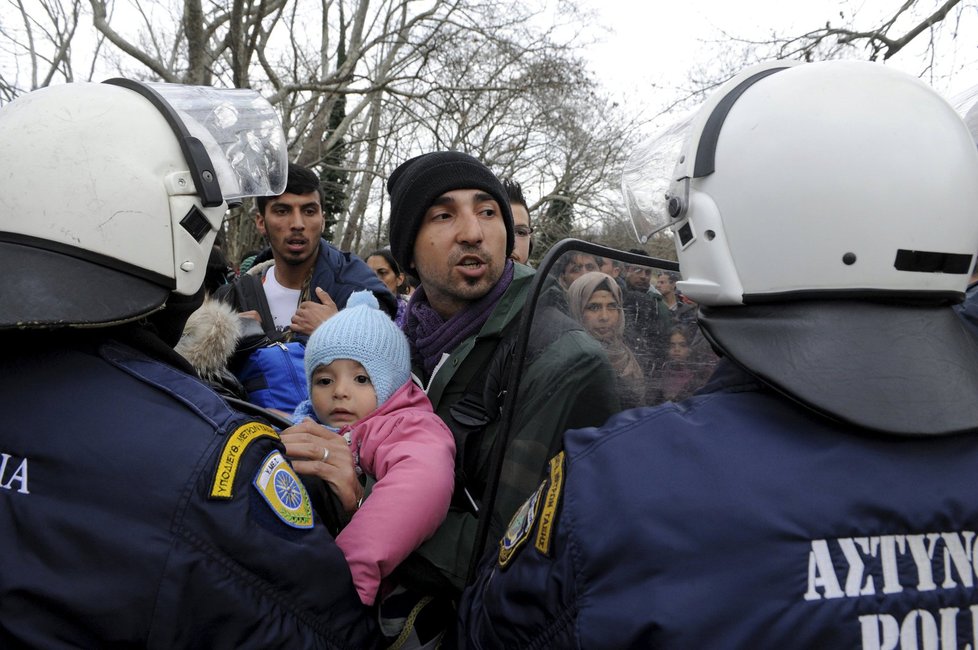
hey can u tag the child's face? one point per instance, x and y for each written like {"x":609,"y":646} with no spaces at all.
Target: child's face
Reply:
{"x":678,"y":347}
{"x":342,"y":393}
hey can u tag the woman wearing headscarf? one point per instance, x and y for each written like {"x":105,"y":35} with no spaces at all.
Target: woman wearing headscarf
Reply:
{"x":594,"y":300}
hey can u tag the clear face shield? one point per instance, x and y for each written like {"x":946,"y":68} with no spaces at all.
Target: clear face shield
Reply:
{"x":234,"y":147}
{"x":602,"y":331}
{"x":232,"y":138}
{"x":648,"y":185}
{"x":966,"y":105}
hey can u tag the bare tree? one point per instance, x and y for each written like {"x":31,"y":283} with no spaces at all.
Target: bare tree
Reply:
{"x":930,"y":25}
{"x":38,"y":42}
{"x":877,"y":42}
{"x":360,"y":86}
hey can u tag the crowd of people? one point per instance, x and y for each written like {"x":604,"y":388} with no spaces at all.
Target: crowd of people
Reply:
{"x":325,"y":444}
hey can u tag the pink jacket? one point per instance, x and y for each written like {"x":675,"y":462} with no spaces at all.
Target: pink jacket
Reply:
{"x":411,"y":454}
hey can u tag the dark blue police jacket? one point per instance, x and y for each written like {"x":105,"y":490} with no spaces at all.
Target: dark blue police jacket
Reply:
{"x":968,"y":311}
{"x":738,"y":519}
{"x":137,"y":509}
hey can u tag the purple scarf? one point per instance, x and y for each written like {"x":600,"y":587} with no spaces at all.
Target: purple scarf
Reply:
{"x":431,"y":336}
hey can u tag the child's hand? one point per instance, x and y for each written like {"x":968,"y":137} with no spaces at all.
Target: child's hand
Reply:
{"x":316,"y":451}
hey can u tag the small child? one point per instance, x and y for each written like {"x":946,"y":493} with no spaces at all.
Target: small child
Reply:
{"x":359,"y":372}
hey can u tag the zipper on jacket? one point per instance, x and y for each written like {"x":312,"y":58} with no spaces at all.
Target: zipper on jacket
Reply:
{"x":288,"y":358}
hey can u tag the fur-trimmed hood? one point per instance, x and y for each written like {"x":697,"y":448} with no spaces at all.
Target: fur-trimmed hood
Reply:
{"x":210,"y":339}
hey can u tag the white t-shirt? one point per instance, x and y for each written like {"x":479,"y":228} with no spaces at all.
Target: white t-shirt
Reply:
{"x":282,"y":301}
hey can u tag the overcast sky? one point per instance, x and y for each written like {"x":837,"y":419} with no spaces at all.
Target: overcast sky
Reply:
{"x":649,"y":43}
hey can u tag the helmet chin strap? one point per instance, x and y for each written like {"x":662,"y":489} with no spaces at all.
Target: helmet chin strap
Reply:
{"x":171,"y":319}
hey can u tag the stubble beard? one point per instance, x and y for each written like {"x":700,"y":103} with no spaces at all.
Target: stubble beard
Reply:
{"x":471,"y":289}
{"x":292,"y":260}
{"x":462,"y":293}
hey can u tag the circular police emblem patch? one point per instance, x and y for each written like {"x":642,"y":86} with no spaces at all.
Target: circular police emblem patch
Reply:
{"x":288,"y":489}
{"x":519,"y":527}
{"x":277,"y":483}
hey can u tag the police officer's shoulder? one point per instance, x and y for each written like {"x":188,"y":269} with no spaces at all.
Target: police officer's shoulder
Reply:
{"x":534,"y":521}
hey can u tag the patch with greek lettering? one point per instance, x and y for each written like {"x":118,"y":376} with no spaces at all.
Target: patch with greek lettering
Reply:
{"x":520,"y":527}
{"x":548,"y":516}
{"x":283,"y":491}
{"x":222,"y":487}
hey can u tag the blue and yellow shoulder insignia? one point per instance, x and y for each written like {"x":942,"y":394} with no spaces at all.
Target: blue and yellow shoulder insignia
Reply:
{"x":539,"y":512}
{"x":548,"y":516}
{"x":283,"y":491}
{"x":222,"y":487}
{"x":519,"y":527}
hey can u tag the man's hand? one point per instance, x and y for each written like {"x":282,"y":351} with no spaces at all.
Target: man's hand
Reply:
{"x":252,"y":314}
{"x":311,"y":314}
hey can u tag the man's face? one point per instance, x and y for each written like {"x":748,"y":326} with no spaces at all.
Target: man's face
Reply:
{"x":293,"y":224}
{"x":608,"y":267}
{"x":638,"y":278}
{"x":578,"y":265}
{"x":665,"y":285}
{"x":460,"y":250}
{"x":521,"y":227}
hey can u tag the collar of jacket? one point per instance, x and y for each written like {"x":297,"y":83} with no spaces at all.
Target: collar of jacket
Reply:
{"x":510,"y":306}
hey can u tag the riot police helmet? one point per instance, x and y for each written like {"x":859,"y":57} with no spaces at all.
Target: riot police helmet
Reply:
{"x":111,"y":195}
{"x":824,"y":216}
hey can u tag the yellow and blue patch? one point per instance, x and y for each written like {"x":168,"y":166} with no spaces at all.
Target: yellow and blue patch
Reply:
{"x":519,"y":527}
{"x":549,"y":515}
{"x":278,"y":484}
{"x":222,"y":486}
{"x":539,"y":511}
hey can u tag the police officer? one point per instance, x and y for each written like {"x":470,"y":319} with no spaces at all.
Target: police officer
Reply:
{"x":821,"y":491}
{"x":137,"y":509}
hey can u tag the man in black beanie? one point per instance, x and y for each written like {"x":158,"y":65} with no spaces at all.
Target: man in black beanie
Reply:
{"x":451,"y":227}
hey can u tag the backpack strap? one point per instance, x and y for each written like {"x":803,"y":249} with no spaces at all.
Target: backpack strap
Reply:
{"x":252,"y":296}
{"x":481,"y":404}
{"x":478,"y":408}
{"x":246,"y":294}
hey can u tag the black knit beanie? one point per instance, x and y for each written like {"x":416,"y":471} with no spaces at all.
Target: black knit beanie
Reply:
{"x":414,"y":186}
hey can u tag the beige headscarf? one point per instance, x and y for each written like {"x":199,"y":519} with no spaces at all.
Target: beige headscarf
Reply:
{"x":580,"y":291}
{"x":622,"y":360}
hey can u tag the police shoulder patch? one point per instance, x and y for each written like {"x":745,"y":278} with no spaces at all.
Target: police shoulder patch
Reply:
{"x":222,"y":487}
{"x":548,"y":516}
{"x":520,"y":527}
{"x":283,"y":491}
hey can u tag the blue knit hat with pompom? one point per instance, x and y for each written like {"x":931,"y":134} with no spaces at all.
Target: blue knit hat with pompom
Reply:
{"x":367,"y":335}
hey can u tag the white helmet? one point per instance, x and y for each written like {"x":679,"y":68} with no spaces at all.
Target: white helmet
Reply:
{"x":111,"y":194}
{"x":826,"y":216}
{"x":839,"y":177}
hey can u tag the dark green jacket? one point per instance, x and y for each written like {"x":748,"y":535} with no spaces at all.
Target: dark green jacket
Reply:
{"x":566,"y":382}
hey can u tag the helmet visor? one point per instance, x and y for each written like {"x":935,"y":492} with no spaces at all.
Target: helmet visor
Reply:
{"x":966,"y":105}
{"x":647,"y":177}
{"x":241,"y":133}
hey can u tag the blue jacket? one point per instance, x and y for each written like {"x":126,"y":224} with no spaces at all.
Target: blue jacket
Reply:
{"x":268,"y":363}
{"x":968,"y":310}
{"x":138,"y":510}
{"x":337,"y":273}
{"x":738,"y":519}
